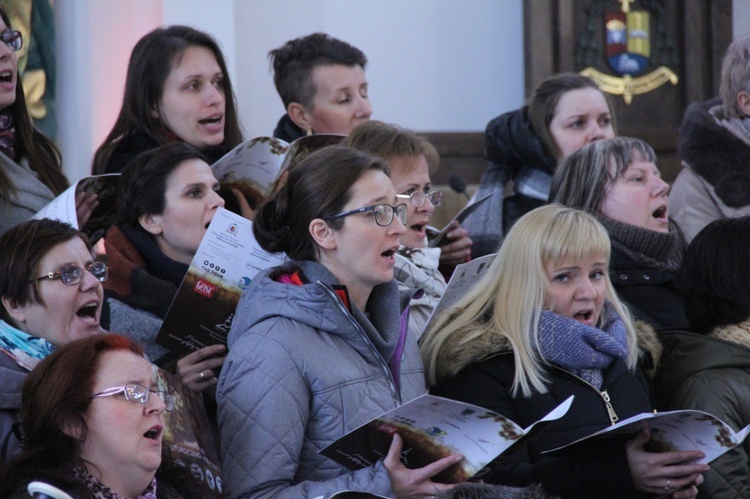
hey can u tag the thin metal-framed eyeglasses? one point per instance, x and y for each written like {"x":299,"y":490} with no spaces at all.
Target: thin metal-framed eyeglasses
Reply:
{"x":13,"y":39}
{"x":137,"y":393}
{"x":71,"y":274}
{"x":382,"y":213}
{"x":418,"y":198}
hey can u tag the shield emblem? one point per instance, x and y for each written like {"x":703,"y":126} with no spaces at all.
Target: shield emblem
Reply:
{"x":628,"y":41}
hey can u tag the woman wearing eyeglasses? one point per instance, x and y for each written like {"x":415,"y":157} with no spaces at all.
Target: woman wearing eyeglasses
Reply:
{"x":319,"y":346}
{"x":411,"y":158}
{"x":92,"y":424}
{"x":30,"y":164}
{"x":51,"y":294}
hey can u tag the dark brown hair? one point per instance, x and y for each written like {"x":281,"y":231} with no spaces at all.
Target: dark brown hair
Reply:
{"x":318,"y":187}
{"x":294,"y":62}
{"x":714,"y":277}
{"x":22,"y":248}
{"x":143,"y":184}
{"x":151,"y":62}
{"x":541,"y":108}
{"x":44,"y":158}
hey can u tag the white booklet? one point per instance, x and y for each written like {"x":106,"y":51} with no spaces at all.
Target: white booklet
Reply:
{"x":433,"y":428}
{"x":464,"y":277}
{"x":63,"y":207}
{"x":435,"y":240}
{"x":227,"y":260}
{"x":677,"y":430}
{"x":254,"y":166}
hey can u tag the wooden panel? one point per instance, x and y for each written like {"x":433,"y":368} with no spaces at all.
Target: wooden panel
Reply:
{"x":461,"y":154}
{"x":701,"y":30}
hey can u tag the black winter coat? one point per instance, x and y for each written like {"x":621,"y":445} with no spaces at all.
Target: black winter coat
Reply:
{"x":596,"y":469}
{"x":648,"y":292}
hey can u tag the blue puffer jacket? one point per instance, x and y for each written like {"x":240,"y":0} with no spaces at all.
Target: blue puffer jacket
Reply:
{"x":302,"y":371}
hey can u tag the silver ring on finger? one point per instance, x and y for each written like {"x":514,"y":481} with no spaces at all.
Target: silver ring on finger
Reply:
{"x":668,"y":486}
{"x":203,"y":377}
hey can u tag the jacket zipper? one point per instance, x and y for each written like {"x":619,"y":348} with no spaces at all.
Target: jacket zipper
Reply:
{"x":383,"y":364}
{"x":613,"y":417}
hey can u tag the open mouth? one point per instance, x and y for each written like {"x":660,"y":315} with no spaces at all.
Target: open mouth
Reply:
{"x":389,"y":253}
{"x":6,"y":77}
{"x":154,"y":433}
{"x":419,"y":228}
{"x":660,"y":212}
{"x":213,"y":120}
{"x":88,"y":311}
{"x":584,"y":316}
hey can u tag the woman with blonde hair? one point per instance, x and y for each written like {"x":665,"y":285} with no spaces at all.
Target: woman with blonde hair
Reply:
{"x":544,"y":324}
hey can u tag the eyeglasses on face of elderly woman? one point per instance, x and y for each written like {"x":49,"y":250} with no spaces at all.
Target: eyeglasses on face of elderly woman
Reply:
{"x":71,"y":274}
{"x":383,"y":213}
{"x":13,"y":39}
{"x":419,"y":198}
{"x":137,"y":393}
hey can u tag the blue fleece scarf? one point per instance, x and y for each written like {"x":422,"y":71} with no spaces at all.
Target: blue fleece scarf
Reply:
{"x":24,"y":349}
{"x":583,"y":350}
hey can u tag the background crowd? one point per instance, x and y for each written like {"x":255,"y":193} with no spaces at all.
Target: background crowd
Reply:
{"x":595,"y":290}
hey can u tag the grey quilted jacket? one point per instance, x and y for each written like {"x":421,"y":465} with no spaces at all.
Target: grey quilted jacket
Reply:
{"x":302,"y":371}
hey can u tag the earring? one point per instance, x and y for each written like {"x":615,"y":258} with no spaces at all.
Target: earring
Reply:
{"x":309,"y":132}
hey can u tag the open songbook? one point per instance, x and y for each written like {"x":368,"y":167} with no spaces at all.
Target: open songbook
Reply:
{"x":677,"y":430}
{"x":434,"y":427}
{"x":255,"y":166}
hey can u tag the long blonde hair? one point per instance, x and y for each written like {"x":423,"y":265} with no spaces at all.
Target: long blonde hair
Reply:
{"x":506,"y":302}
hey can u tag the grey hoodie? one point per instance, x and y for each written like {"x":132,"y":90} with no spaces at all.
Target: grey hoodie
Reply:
{"x":302,"y":371}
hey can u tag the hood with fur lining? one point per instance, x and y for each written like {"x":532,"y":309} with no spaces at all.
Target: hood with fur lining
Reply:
{"x":715,"y":153}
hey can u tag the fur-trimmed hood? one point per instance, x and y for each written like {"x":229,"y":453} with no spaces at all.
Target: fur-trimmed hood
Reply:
{"x":455,"y":355}
{"x":719,"y":156}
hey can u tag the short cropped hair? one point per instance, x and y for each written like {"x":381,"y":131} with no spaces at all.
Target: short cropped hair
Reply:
{"x":735,"y":75}
{"x":294,"y":62}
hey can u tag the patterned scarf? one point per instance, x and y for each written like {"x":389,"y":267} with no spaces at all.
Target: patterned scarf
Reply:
{"x":24,"y":349}
{"x":7,"y":135}
{"x":584,"y":350}
{"x":101,"y":491}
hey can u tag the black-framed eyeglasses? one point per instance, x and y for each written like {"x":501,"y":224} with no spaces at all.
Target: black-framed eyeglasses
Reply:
{"x":418,"y":198}
{"x":13,"y":39}
{"x":137,"y":393}
{"x":382,"y":213}
{"x":71,"y":274}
